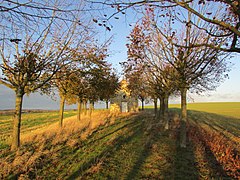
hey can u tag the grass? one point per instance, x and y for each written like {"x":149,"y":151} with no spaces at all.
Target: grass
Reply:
{"x":222,"y":108}
{"x":222,"y":117}
{"x":30,"y":122}
{"x":125,"y":146}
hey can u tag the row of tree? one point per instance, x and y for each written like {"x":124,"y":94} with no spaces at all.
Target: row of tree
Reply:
{"x":54,"y":33}
{"x":89,"y":81}
{"x":192,"y":36}
{"x":52,"y":49}
{"x":164,"y":61}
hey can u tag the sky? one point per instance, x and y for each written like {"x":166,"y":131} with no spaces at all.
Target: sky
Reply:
{"x":228,"y":91}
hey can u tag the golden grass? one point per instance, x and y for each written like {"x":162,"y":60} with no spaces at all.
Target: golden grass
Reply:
{"x":30,"y":121}
{"x":70,"y":126}
{"x":47,"y":141}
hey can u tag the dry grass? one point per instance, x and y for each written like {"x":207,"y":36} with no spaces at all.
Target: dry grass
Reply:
{"x":45,"y":143}
{"x":30,"y":122}
{"x":71,"y":126}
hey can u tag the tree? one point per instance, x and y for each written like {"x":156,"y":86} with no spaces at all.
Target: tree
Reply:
{"x":191,"y":68}
{"x":221,"y":18}
{"x":78,"y":94}
{"x":44,"y":52}
{"x":65,"y":80}
{"x":198,"y":68}
{"x":90,"y":68}
{"x":134,"y":67}
{"x":223,"y":26}
{"x":62,"y":80}
{"x":19,"y":15}
{"x":108,"y":86}
{"x":26,"y":74}
{"x":163,"y":83}
{"x":137,"y":84}
{"x":146,"y":63}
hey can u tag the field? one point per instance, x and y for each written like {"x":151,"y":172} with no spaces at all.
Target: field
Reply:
{"x":31,"y":120}
{"x":127,"y":146}
{"x":231,"y":109}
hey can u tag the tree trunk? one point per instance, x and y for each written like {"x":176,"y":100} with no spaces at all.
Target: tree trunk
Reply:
{"x":17,"y":122}
{"x":91,"y":108}
{"x":79,"y":110}
{"x":142,"y":99}
{"x":106,"y":104}
{"x":183,"y":130}
{"x":61,"y":112}
{"x":165,"y":113}
{"x":155,"y":106}
{"x":135,"y":105}
{"x":161,"y":111}
{"x":85,"y":107}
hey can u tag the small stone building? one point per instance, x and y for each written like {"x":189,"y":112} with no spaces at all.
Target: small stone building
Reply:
{"x":123,"y":100}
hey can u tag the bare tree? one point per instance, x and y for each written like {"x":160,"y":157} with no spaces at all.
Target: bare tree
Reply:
{"x":146,"y":67}
{"x":32,"y":62}
{"x":193,"y":68}
{"x":222,"y":17}
{"x":198,"y":68}
{"x":134,"y":67}
{"x":18,"y":15}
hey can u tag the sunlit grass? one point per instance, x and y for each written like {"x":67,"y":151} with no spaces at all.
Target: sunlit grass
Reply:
{"x":222,"y":108}
{"x":223,"y":117}
{"x":30,"y":121}
{"x":123,"y":146}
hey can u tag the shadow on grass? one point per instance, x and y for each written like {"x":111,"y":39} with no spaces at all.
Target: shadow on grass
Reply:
{"x":134,"y":147}
{"x":139,"y":139}
{"x":142,"y":156}
{"x":214,"y":168}
{"x":184,"y":166}
{"x":219,"y":123}
{"x":133,"y":127}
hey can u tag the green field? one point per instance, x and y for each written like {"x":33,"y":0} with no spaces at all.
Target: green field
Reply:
{"x":129,"y":146}
{"x":222,"y":108}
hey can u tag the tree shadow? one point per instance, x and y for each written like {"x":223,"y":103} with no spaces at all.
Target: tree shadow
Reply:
{"x":182,"y":161}
{"x":142,"y":156}
{"x":217,"y":170}
{"x":133,"y":127}
{"x":179,"y":163}
{"x":185,"y":162}
{"x":186,"y":158}
{"x":224,"y":125}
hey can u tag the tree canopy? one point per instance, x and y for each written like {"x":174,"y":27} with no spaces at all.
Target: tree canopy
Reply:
{"x":220,"y":19}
